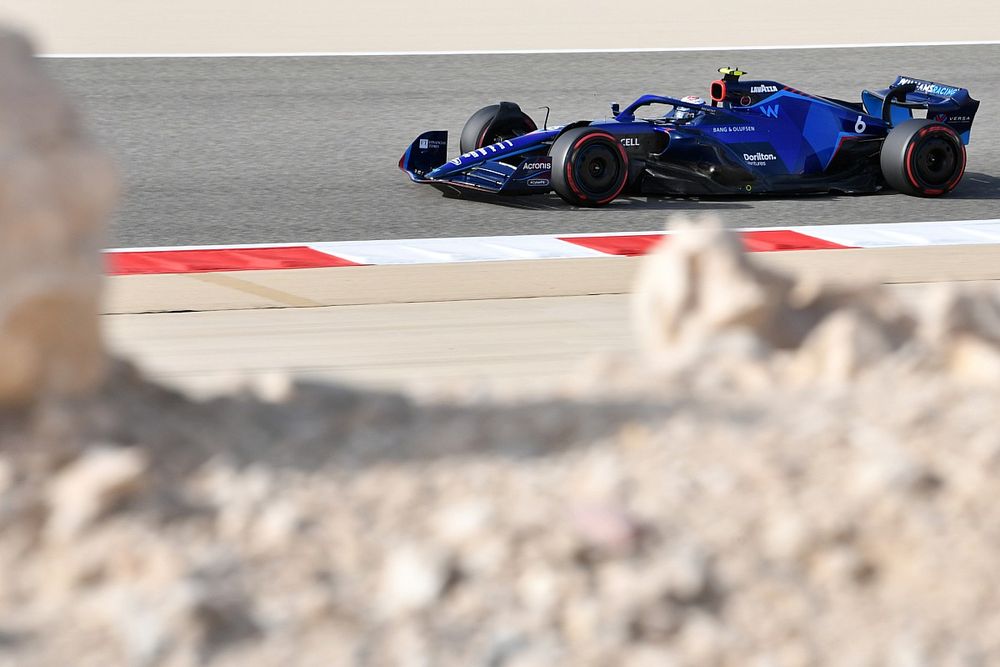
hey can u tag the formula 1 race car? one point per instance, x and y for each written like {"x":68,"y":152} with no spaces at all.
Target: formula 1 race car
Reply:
{"x":755,"y":137}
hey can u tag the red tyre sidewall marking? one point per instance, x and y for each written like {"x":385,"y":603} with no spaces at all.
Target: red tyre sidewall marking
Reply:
{"x":482,"y":136}
{"x":909,"y":153}
{"x":569,"y":165}
{"x":961,"y":172}
{"x":909,"y":168}
{"x":907,"y":162}
{"x":621,"y":151}
{"x":572,"y":181}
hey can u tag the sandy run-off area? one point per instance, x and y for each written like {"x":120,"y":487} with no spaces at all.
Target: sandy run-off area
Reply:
{"x":264,"y":26}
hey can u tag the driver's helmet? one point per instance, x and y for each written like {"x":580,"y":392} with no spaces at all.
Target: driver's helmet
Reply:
{"x":682,"y":113}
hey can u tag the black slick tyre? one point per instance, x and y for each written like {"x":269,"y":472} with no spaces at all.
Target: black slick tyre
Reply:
{"x":923,"y":158}
{"x":493,"y":124}
{"x":589,"y":167}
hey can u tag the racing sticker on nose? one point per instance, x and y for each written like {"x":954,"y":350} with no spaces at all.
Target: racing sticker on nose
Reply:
{"x":535,"y":171}
{"x":535,"y":165}
{"x":483,"y":152}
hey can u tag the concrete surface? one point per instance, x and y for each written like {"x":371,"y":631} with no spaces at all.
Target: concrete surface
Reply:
{"x":518,"y":342}
{"x":480,"y":332}
{"x":185,"y":26}
{"x":504,"y":280}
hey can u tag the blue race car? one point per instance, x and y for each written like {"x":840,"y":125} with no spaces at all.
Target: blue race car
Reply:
{"x":754,"y":137}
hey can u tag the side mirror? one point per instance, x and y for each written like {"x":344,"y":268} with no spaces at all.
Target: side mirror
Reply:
{"x":615,"y":109}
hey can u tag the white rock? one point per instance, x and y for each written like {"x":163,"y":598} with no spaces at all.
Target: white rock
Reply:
{"x":91,"y":486}
{"x":457,"y":523}
{"x":606,"y":530}
{"x":272,"y":387}
{"x":538,"y":588}
{"x":697,"y":282}
{"x":974,"y":360}
{"x":948,"y":311}
{"x":278,"y":523}
{"x":842,"y":346}
{"x":413,"y":577}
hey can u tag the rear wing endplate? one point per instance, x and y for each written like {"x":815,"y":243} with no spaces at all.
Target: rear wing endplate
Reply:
{"x":946,"y":104}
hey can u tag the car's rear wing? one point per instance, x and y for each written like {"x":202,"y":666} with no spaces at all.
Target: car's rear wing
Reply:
{"x":946,"y":104}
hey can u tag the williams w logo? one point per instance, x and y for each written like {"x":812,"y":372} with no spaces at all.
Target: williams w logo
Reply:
{"x":771,"y":111}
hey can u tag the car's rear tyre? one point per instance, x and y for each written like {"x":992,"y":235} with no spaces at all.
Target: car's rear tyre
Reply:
{"x":495,"y":123}
{"x":589,"y":167}
{"x":923,"y":158}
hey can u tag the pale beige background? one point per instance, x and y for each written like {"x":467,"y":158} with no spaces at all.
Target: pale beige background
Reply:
{"x":272,"y":26}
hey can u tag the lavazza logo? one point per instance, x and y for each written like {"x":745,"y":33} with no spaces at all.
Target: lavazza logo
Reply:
{"x":764,"y":89}
{"x":759,"y":159}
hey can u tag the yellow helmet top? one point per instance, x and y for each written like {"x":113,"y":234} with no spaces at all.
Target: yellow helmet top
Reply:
{"x":731,"y":71}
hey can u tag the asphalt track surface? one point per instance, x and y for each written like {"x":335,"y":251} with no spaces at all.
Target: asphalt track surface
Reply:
{"x":269,"y":150}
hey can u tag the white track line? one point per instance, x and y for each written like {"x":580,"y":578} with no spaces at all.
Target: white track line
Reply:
{"x":336,"y":54}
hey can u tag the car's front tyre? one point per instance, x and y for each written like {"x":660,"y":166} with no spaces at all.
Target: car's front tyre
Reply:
{"x":493,"y":124}
{"x":923,"y":158}
{"x":589,"y":167}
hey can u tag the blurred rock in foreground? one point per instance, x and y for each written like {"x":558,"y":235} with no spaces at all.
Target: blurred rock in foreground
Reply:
{"x":796,"y":475}
{"x":56,"y":192}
